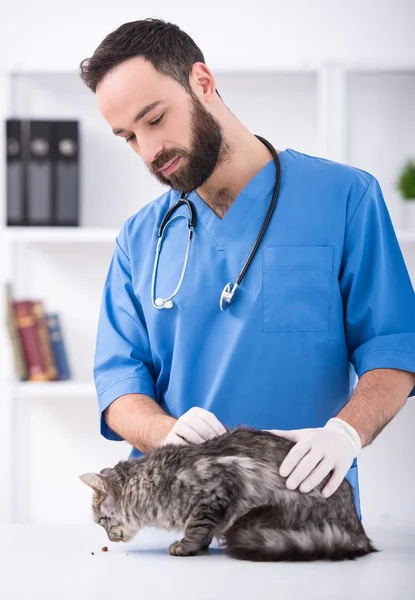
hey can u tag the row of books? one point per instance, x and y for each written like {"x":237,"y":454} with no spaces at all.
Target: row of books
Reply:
{"x":42,"y":172}
{"x":37,"y":340}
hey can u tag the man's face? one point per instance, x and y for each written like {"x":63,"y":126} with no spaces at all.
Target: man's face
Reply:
{"x":177,"y":133}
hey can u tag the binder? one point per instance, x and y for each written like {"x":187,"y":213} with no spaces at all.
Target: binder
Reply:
{"x":15,"y":172}
{"x":43,"y":172}
{"x":65,"y":157}
{"x":39,"y":192}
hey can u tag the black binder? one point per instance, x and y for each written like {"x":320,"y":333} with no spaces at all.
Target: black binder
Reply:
{"x":65,"y":158}
{"x":39,"y":198}
{"x":15,"y":172}
{"x":42,"y":172}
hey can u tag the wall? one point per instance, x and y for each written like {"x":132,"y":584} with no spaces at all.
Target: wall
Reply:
{"x":231,"y":34}
{"x":61,"y":439}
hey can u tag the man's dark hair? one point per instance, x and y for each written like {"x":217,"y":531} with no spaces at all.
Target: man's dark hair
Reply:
{"x":170,"y":50}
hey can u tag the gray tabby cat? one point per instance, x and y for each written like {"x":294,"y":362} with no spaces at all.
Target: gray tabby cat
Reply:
{"x":228,"y":488}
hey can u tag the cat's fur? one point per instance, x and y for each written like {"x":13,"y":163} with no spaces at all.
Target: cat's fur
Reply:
{"x":228,"y":488}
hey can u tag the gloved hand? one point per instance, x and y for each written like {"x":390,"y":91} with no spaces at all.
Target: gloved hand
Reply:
{"x":317,"y":452}
{"x":197,"y":425}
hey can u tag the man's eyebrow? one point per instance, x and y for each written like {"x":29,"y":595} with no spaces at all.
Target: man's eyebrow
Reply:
{"x":140,"y":115}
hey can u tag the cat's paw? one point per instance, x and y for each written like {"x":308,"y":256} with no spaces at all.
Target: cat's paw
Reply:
{"x":180,"y":549}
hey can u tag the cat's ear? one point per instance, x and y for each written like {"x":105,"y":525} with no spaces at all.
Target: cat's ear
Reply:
{"x":95,"y":481}
{"x":106,"y":471}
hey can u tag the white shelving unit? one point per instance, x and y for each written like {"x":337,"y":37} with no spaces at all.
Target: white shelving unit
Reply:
{"x":59,"y":235}
{"x":316,"y":109}
{"x":55,"y":389}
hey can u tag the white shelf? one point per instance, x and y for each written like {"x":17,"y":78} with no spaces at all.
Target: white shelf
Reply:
{"x":370,"y":66}
{"x":90,"y":235}
{"x":303,"y":66}
{"x":60,"y":235}
{"x":52,"y":389}
{"x":405,"y":235}
{"x":286,"y":66}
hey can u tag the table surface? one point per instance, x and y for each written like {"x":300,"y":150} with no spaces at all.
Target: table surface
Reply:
{"x":55,"y":561}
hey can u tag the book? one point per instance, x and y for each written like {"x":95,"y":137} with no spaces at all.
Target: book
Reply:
{"x":28,"y":331}
{"x":58,"y":346}
{"x":16,"y":341}
{"x":44,"y":339}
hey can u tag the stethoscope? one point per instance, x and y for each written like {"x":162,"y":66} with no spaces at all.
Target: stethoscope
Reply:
{"x":230,"y":288}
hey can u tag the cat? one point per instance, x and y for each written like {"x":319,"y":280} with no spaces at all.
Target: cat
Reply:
{"x":228,"y":488}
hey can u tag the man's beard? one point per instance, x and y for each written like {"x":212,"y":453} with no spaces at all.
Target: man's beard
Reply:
{"x":208,"y":150}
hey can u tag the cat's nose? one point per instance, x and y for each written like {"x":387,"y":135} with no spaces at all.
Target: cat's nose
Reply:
{"x":116,"y":534}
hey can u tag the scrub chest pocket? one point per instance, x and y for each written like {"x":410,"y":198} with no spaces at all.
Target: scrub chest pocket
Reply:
{"x":296,"y":288}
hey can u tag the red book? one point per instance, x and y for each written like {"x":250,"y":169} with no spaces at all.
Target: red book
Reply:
{"x":26,"y":325}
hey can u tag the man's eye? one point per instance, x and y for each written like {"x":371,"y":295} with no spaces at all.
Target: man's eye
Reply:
{"x":157,"y":121}
{"x":152,"y":124}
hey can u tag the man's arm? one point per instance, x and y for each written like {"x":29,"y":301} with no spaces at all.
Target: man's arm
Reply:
{"x":141,"y":421}
{"x":138,"y":419}
{"x":377,"y":398}
{"x":379,"y":321}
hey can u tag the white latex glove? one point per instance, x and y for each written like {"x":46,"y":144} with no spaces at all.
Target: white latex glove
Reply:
{"x":197,"y":425}
{"x":317,"y":452}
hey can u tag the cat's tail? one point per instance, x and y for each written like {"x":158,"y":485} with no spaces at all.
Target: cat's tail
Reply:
{"x":253,"y":537}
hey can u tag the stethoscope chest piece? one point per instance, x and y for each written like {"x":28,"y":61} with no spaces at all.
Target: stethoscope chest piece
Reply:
{"x":160,"y":303}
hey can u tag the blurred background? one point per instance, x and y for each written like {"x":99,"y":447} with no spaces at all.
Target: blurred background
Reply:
{"x":334,"y":79}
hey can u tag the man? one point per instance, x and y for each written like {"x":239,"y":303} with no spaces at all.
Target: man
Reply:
{"x":326,"y":297}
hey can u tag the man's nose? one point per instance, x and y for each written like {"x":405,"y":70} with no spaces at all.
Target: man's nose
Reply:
{"x":149,"y":151}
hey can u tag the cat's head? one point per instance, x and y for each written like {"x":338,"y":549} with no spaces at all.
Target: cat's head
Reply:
{"x":106,"y":505}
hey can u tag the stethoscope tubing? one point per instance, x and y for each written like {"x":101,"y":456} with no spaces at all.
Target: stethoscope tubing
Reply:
{"x":229,"y":289}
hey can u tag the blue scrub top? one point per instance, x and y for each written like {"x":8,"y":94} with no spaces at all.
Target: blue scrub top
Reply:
{"x":326,"y":298}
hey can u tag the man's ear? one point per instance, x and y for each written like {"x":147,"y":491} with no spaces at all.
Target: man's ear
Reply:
{"x":95,"y":481}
